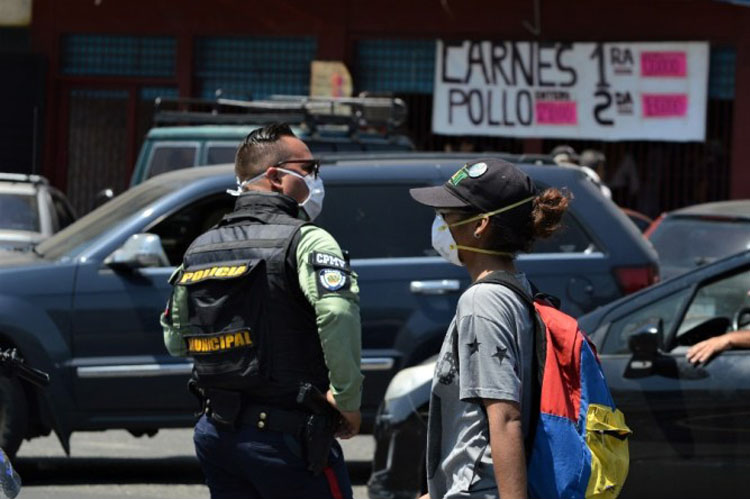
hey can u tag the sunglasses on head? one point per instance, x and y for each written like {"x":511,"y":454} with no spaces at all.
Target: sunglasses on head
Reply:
{"x":310,"y":166}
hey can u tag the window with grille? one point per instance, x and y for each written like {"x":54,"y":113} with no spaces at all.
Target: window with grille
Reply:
{"x":253,"y":67}
{"x":721,"y":73}
{"x":151,"y":93}
{"x":95,"y":55}
{"x":398,"y":66}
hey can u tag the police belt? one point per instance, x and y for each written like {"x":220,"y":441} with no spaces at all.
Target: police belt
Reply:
{"x":274,"y":419}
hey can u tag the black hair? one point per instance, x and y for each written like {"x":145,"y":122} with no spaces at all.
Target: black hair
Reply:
{"x":260,"y":150}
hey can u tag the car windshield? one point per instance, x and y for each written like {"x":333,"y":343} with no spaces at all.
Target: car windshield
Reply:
{"x":74,"y":237}
{"x":19,"y":212}
{"x":686,"y":242}
{"x":168,"y":157}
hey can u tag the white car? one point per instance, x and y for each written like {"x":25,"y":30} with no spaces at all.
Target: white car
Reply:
{"x":30,"y":210}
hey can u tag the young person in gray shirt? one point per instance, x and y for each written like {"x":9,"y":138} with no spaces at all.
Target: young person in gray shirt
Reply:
{"x":481,"y":391}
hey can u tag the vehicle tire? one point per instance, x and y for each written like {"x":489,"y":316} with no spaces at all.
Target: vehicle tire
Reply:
{"x":13,"y":415}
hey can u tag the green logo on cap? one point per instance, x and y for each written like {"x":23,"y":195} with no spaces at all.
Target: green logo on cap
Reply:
{"x":459,"y":176}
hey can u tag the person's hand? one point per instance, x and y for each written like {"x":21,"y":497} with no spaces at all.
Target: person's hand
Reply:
{"x":351,"y":422}
{"x":702,"y":352}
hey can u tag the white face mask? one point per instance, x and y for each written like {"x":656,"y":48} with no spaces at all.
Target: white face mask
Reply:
{"x":312,"y":205}
{"x":443,"y":242}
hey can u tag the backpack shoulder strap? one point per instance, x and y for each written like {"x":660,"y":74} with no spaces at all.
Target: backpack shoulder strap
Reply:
{"x":508,"y":280}
{"x":539,"y":348}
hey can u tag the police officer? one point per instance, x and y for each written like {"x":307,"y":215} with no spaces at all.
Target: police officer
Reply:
{"x":267,"y":306}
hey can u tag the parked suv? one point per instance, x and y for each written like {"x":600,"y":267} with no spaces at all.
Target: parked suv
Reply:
{"x":30,"y":210}
{"x":192,"y":132}
{"x":700,"y":234}
{"x":84,"y":306}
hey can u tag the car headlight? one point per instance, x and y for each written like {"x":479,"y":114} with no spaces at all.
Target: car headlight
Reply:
{"x":408,"y":380}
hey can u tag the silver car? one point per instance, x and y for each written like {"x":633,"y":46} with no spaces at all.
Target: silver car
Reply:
{"x":30,"y":210}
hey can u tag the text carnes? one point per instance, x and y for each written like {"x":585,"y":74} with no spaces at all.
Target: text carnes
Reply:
{"x":510,"y":64}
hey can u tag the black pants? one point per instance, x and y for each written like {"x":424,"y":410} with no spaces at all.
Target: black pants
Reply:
{"x":253,"y":463}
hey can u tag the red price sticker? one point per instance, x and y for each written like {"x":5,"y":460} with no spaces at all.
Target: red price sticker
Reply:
{"x":556,"y":113}
{"x":664,"y":105}
{"x":669,"y":64}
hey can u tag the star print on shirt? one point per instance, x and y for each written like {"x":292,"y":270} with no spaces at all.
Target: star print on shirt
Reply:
{"x":474,"y":347}
{"x":500,"y":353}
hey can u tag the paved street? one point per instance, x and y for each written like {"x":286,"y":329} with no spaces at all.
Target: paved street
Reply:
{"x":114,"y":464}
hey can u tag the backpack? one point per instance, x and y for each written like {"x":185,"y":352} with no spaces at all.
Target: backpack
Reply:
{"x":577,"y":444}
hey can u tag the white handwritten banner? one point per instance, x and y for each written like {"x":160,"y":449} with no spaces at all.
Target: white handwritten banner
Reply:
{"x":612,"y":91}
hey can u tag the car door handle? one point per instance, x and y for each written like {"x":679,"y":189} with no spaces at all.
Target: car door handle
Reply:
{"x":434,"y":287}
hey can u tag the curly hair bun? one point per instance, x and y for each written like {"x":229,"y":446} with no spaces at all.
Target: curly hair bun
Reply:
{"x":549,"y":208}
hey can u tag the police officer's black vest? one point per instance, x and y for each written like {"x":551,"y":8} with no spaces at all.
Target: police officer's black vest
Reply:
{"x":252,"y":329}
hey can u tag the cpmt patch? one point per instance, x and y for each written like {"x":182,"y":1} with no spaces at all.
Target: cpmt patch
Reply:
{"x":321,"y":260}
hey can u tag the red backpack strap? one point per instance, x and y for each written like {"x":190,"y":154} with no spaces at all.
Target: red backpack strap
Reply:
{"x":539,"y":345}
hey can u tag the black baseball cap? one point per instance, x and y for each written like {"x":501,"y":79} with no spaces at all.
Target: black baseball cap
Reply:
{"x":485,"y":185}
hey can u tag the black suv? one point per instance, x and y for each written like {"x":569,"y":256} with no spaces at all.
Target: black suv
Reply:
{"x":84,"y":305}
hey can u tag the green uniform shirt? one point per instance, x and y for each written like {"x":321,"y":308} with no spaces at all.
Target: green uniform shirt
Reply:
{"x":337,"y":314}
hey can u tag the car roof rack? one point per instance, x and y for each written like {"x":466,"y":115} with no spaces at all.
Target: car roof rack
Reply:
{"x":313,"y":114}
{"x":25,"y":178}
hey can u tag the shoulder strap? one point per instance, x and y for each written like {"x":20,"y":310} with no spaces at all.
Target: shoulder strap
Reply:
{"x":290,"y":250}
{"x":290,"y":258}
{"x":508,"y":280}
{"x":539,"y":346}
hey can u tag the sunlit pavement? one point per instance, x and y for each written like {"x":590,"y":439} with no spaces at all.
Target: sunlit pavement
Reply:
{"x":114,"y":464}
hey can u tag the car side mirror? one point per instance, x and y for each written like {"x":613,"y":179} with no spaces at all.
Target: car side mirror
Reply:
{"x":645,"y":344}
{"x":645,"y":348}
{"x":139,"y":251}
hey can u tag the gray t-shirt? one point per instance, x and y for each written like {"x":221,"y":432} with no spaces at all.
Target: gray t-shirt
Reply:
{"x":494,"y":346}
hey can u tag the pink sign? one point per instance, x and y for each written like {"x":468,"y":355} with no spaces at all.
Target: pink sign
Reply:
{"x":664,"y":64}
{"x":664,"y":105}
{"x":556,"y":113}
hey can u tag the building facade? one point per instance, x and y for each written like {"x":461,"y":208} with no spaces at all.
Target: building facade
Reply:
{"x":106,"y":61}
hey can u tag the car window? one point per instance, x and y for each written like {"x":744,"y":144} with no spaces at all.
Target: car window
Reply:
{"x":688,"y":242}
{"x":665,"y":309}
{"x":19,"y":212}
{"x":168,"y":157}
{"x":64,"y":215}
{"x":217,"y":155}
{"x":179,"y":230}
{"x":722,"y":298}
{"x":376,"y":221}
{"x":349,"y":147}
{"x":320,"y":147}
{"x":571,"y":238}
